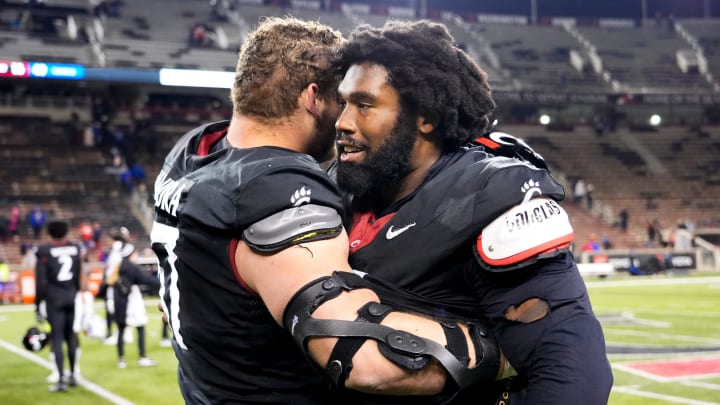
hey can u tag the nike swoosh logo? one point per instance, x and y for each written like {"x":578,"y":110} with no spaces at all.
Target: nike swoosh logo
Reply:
{"x":393,"y":233}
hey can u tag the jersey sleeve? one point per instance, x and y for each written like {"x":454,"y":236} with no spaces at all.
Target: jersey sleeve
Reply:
{"x":219,"y":203}
{"x":283,"y":189}
{"x":142,"y":277}
{"x":508,"y":182}
{"x":41,"y":274}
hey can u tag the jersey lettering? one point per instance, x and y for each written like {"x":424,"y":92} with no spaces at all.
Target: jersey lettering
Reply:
{"x":168,"y":193}
{"x":64,"y":251}
{"x":523,"y":232}
{"x":65,"y":273}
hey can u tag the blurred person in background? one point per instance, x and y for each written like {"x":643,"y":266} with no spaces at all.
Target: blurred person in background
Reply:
{"x":591,"y":245}
{"x":59,"y":278}
{"x":128,"y":304}
{"x":623,"y":218}
{"x":14,"y":223}
{"x":37,"y":218}
{"x":120,"y":247}
{"x":4,"y":228}
{"x":4,"y":280}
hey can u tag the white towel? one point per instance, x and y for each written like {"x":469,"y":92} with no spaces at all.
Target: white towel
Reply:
{"x":136,"y":312}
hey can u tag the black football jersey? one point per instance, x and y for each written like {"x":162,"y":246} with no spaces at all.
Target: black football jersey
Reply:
{"x":227,"y":342}
{"x":424,"y":243}
{"x":57,"y":272}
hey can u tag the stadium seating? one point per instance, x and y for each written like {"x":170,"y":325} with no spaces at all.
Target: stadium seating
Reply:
{"x":682,"y":188}
{"x":42,"y":164}
{"x":669,"y":172}
{"x":539,"y":56}
{"x":647,"y":59}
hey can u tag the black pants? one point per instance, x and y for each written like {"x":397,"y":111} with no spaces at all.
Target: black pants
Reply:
{"x":121,"y":342}
{"x":61,"y":318}
{"x":190,"y":392}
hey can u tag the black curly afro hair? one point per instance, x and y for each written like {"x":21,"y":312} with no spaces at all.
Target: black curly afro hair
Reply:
{"x":57,"y":229}
{"x":433,"y":76}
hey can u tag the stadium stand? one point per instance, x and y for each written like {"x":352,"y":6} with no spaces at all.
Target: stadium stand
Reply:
{"x":539,"y":56}
{"x":647,"y":59}
{"x":668,"y":172}
{"x":618,"y":166}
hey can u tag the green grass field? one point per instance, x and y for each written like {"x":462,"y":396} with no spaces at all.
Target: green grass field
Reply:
{"x":642,"y":313}
{"x":655,"y":312}
{"x":24,"y":380}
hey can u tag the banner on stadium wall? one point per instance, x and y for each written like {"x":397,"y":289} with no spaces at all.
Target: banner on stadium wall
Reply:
{"x":27,"y":286}
{"x":25,"y":282}
{"x":647,"y":262}
{"x":94,"y":280}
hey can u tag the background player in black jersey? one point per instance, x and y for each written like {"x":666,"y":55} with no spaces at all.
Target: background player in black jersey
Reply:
{"x":59,"y":278}
{"x":249,"y":232}
{"x":124,"y":280}
{"x":482,"y":234}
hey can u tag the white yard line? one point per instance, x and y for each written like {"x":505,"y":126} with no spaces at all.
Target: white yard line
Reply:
{"x":653,"y":281}
{"x":668,"y":398}
{"x":611,"y":330}
{"x":693,"y":313}
{"x":88,"y":385}
{"x":657,"y":378}
{"x":616,"y":357}
{"x":700,"y":384}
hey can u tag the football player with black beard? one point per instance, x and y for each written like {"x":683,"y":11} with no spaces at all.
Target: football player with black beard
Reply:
{"x":485,"y":235}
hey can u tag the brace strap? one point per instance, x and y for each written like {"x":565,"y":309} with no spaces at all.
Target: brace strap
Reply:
{"x":346,"y":348}
{"x":298,"y":320}
{"x":456,"y":341}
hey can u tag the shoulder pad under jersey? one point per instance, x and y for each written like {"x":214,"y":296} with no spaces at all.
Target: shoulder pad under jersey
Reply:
{"x":292,"y":226}
{"x":502,"y":144}
{"x":520,"y":236}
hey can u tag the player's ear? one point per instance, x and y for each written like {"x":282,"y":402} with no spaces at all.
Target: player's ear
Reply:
{"x":310,"y":99}
{"x":424,"y":125}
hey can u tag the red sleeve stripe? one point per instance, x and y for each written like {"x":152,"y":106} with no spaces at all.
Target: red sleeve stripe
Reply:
{"x":487,"y":142}
{"x":555,"y":244}
{"x":233,"y":265}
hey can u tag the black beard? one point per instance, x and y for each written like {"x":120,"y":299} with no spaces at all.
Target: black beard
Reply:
{"x":323,"y":148}
{"x":374,"y":182}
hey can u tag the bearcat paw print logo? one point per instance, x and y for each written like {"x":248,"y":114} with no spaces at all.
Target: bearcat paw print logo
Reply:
{"x":300,"y":196}
{"x":531,"y":188}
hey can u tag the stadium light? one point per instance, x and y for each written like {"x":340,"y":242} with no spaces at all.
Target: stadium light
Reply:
{"x":544,"y":119}
{"x":196,"y":78}
{"x":655,"y":120}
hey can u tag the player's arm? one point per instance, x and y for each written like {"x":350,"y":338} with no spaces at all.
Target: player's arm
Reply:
{"x":84,"y":285}
{"x":83,"y":274}
{"x":143,"y":277}
{"x":41,"y":284}
{"x":41,"y":277}
{"x":278,"y":277}
{"x":297,"y":284}
{"x":538,"y":301}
